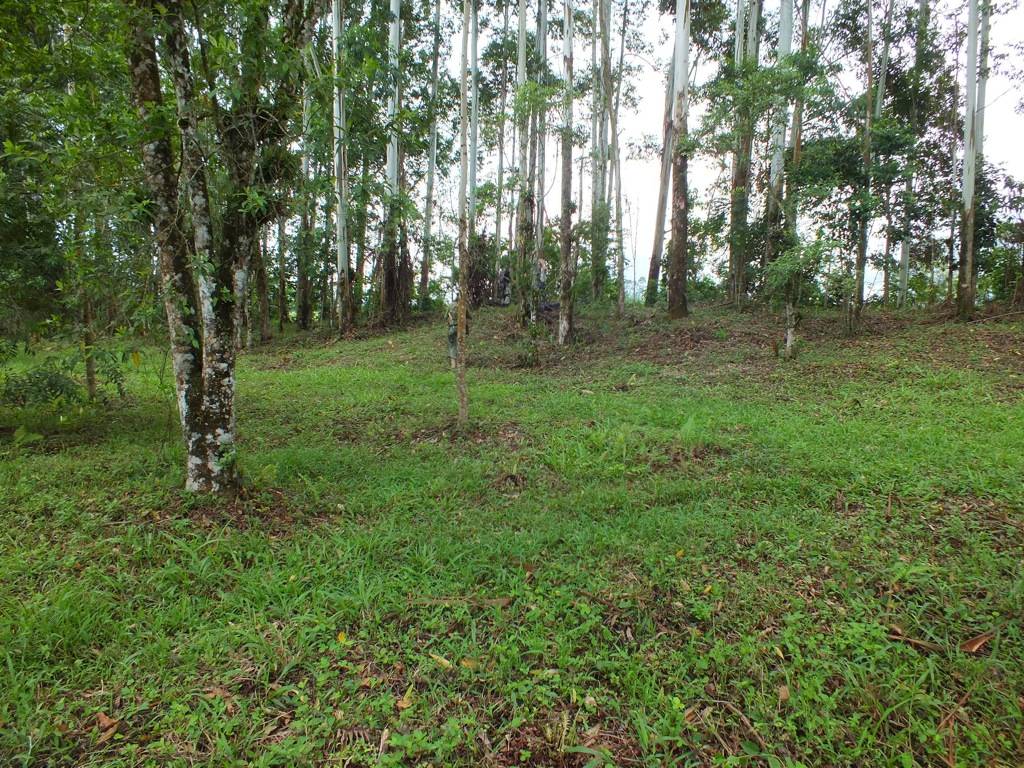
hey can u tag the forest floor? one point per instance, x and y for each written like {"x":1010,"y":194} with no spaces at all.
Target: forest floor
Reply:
{"x":664,"y":546}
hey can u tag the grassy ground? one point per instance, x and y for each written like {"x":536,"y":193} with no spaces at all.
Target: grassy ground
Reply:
{"x":663,"y":547}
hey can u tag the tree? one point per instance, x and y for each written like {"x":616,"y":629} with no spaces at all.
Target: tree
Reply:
{"x":667,"y":154}
{"x":567,"y":253}
{"x":200,"y":264}
{"x":346,"y":308}
{"x":677,"y":306}
{"x":463,"y":297}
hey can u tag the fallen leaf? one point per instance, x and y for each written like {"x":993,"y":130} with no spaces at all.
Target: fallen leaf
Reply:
{"x":104,"y":722}
{"x":441,"y":661}
{"x":975,"y":644}
{"x":406,"y":701}
{"x":783,"y":694}
{"x":469,"y":663}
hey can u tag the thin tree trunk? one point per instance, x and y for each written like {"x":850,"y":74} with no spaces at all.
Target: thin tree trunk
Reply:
{"x":965,"y":295}
{"x":282,"y":276}
{"x":620,"y":259}
{"x":667,"y":148}
{"x":677,"y":304}
{"x":863,"y":218}
{"x":748,"y":27}
{"x":389,"y":278}
{"x":602,"y":93}
{"x":262,"y":291}
{"x":500,"y":192}
{"x":428,"y":207}
{"x":346,"y":309}
{"x":776,"y":174}
{"x":303,"y":304}
{"x":523,"y":213}
{"x":568,"y":255}
{"x":463,"y":298}
{"x":541,"y":118}
{"x":920,"y":40}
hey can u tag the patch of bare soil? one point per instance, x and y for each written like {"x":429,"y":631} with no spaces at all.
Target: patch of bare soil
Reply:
{"x":509,"y":435}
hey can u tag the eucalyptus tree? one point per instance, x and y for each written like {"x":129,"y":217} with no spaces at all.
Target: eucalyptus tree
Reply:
{"x":773,"y":207}
{"x":677,"y":305}
{"x":428,"y":206}
{"x":463,"y":215}
{"x":974,"y":108}
{"x":567,"y":253}
{"x":664,"y":179}
{"x":245,"y":106}
{"x":389,"y":277}
{"x":345,"y":305}
{"x":616,"y":167}
{"x":600,"y":55}
{"x":524,"y":206}
{"x":746,"y":47}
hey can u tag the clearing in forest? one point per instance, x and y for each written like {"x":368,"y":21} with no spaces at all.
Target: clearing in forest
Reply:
{"x":664,"y":546}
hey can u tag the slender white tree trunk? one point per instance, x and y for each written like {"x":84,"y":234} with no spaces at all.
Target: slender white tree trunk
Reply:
{"x":568,"y":253}
{"x":521,"y":276}
{"x":908,"y":184}
{"x":344,"y":297}
{"x":428,"y":206}
{"x":965,"y":296}
{"x":778,"y":138}
{"x":677,"y":304}
{"x":500,"y":192}
{"x":460,"y":358}
{"x":620,"y":259}
{"x":394,"y":42}
{"x":474,"y":118}
{"x":539,"y":261}
{"x":667,"y":147}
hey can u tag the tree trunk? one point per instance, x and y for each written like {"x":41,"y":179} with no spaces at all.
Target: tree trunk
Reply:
{"x":428,"y":206}
{"x":677,"y":305}
{"x":390,"y":280}
{"x":965,"y":294}
{"x":620,"y":258}
{"x":463,"y":298}
{"x":541,"y":118}
{"x":523,"y":206}
{"x":776,"y":174}
{"x":862,"y":216}
{"x":303,"y":298}
{"x":500,"y":192}
{"x":262,"y":291}
{"x":746,"y":53}
{"x":345,"y":307}
{"x":196,"y":310}
{"x":599,"y":204}
{"x":282,"y":277}
{"x":667,"y":148}
{"x":568,"y":255}
{"x":908,"y":178}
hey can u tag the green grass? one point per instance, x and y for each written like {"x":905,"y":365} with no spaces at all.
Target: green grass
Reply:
{"x":663,"y":547}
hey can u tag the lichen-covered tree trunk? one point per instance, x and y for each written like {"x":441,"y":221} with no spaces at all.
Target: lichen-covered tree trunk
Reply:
{"x":200,"y":264}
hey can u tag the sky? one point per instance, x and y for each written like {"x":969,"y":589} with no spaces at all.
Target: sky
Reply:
{"x":1004,"y":126}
